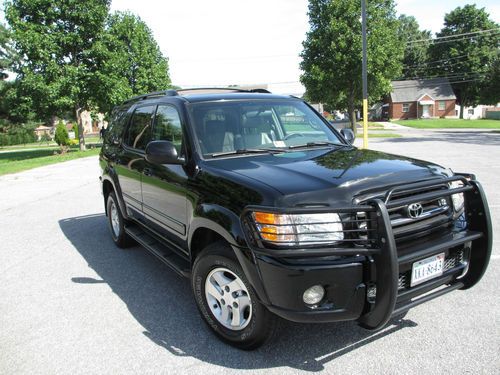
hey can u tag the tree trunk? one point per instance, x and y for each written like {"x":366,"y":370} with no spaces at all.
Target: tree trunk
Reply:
{"x":352,"y":116}
{"x":463,"y":103}
{"x":352,"y":112}
{"x":81,"y":138}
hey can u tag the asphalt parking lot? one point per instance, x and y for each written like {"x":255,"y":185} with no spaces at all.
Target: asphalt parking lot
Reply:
{"x":71,"y":302}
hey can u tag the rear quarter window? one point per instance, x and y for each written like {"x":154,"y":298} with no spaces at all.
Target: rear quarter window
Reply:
{"x":139,"y":130}
{"x":117,"y":124}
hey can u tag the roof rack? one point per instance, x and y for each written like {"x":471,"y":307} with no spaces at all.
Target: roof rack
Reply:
{"x":152,"y":95}
{"x":196,"y":90}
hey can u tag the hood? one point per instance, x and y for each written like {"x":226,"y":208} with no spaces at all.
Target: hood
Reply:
{"x":322,"y":176}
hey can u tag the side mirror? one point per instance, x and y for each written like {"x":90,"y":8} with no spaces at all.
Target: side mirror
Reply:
{"x":162,"y":152}
{"x":348,"y":134}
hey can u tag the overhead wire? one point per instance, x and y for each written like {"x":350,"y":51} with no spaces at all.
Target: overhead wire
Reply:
{"x":469,"y":35}
{"x":435,"y":61}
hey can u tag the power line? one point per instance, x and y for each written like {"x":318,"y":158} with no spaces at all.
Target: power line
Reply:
{"x":446,"y":64}
{"x":450,"y":75}
{"x":454,"y":36}
{"x":455,"y":80}
{"x":436,"y":61}
{"x":469,"y":80}
{"x":461,"y":39}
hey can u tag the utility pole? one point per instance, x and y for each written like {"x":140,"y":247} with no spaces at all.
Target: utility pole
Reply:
{"x":364,"y":75}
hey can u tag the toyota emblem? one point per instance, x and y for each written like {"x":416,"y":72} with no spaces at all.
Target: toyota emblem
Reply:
{"x":415,"y":210}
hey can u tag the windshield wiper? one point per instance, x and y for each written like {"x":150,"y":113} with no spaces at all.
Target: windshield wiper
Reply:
{"x":242,"y":151}
{"x":319,"y":143}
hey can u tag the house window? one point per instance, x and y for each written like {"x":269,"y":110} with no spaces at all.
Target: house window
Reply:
{"x":406,"y":107}
{"x":442,"y":105}
{"x":471,"y":111}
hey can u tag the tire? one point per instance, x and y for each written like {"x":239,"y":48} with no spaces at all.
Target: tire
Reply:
{"x":116,"y":223}
{"x":214,"y":271}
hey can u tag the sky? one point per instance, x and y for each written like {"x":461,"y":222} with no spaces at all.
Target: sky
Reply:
{"x":225,"y":42}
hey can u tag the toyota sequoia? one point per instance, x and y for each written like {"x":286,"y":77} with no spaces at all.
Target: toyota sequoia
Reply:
{"x":273,"y":213}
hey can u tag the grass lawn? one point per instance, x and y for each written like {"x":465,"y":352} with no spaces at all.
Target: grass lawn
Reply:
{"x":89,"y":140}
{"x":19,"y":160}
{"x":450,"y":123}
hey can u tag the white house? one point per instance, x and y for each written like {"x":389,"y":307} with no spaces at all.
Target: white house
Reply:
{"x":474,"y":113}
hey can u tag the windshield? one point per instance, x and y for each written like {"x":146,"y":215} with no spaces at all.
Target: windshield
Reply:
{"x":223,"y":127}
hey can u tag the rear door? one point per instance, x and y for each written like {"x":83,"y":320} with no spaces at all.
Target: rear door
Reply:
{"x":164,"y":186}
{"x":130,"y":163}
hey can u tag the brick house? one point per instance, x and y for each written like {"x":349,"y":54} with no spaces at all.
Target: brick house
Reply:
{"x":425,"y":98}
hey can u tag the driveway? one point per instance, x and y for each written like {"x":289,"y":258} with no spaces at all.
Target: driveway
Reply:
{"x":71,"y":302}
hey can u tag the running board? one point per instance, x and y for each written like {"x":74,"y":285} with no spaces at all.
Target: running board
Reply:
{"x":159,"y":249}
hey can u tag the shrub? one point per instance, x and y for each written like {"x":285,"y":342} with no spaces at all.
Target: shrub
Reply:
{"x":75,"y":129}
{"x":61,"y":136}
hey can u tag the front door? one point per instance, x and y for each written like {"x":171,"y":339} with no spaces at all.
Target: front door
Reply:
{"x":426,"y":110}
{"x":130,"y":161}
{"x":164,"y":186}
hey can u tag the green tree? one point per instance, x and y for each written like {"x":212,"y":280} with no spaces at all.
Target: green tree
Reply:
{"x":466,"y":59}
{"x":16,"y":105}
{"x":332,"y":52}
{"x":57,"y":39}
{"x":131,"y":62}
{"x":416,"y":44}
{"x":490,"y":92}
{"x":8,"y":55}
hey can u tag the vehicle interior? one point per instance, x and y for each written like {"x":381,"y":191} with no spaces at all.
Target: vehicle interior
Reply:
{"x":225,"y":127}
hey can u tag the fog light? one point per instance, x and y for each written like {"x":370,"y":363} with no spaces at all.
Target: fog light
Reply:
{"x":314,"y":295}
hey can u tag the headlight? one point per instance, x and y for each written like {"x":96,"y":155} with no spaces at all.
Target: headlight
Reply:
{"x":299,"y":229}
{"x":458,"y":199}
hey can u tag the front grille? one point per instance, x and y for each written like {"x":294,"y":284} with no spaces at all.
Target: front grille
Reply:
{"x":454,"y":259}
{"x":432,"y":215}
{"x":403,"y":282}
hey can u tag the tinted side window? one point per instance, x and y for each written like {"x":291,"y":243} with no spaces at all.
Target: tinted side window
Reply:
{"x":168,"y":126}
{"x":116,"y":124}
{"x":139,"y":131}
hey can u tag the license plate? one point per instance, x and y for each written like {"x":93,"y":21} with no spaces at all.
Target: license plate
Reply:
{"x":427,"y":269}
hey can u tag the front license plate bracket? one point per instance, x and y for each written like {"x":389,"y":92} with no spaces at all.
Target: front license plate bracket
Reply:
{"x":427,"y":269}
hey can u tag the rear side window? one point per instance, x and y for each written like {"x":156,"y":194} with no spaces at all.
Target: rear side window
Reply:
{"x":139,"y":131}
{"x":116,"y":124}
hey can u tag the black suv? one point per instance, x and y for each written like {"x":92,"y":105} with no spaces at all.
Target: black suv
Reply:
{"x":273,"y":213}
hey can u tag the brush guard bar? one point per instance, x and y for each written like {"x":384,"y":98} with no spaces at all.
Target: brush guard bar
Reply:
{"x":383,"y":253}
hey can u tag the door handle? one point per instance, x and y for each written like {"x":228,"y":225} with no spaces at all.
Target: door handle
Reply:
{"x":147,"y":172}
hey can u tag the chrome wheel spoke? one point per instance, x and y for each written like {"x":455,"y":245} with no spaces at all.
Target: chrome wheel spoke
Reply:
{"x":236,"y":320}
{"x":224,"y":316}
{"x":244,"y":302}
{"x":213,"y":291}
{"x":220,"y":279}
{"x":234,"y":286}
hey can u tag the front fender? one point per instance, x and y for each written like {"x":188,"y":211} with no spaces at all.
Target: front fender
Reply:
{"x":219,"y":219}
{"x":227,"y":224}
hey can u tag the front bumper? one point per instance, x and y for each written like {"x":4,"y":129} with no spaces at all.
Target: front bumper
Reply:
{"x":350,"y":277}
